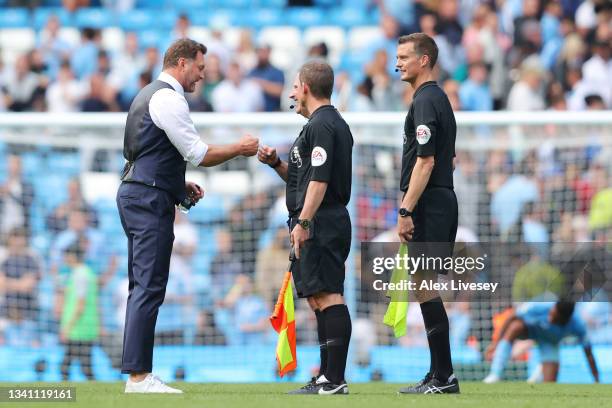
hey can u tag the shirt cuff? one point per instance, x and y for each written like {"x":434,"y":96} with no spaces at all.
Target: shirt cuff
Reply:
{"x":199,"y":152}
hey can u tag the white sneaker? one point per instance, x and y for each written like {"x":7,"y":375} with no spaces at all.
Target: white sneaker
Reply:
{"x":491,"y":378}
{"x":151,"y":384}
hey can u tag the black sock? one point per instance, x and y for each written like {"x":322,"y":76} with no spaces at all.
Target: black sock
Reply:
{"x":436,"y":325}
{"x":338,"y":329}
{"x":432,"y":355}
{"x":322,"y":341}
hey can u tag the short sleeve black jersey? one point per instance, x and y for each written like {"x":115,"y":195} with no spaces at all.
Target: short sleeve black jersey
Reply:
{"x":429,"y":130}
{"x":322,"y":152}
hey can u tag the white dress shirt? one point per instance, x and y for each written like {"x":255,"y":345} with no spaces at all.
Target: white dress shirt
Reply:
{"x":169,"y":111}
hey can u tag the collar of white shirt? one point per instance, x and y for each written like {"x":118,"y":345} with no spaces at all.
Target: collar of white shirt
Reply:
{"x":169,"y":79}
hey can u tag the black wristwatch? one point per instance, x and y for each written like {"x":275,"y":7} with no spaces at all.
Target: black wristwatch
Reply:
{"x":304,"y":223}
{"x":403,"y":212}
{"x":276,"y":163}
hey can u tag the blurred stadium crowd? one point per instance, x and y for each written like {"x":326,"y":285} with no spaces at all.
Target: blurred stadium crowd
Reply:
{"x":510,"y":54}
{"x":229,"y":251}
{"x":58,"y":247}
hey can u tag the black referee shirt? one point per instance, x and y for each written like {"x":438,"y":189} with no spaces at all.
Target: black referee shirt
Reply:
{"x":429,"y":130}
{"x":322,"y":152}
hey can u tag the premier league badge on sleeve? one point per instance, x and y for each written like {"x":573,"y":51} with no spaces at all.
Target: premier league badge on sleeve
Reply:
{"x":318,"y":157}
{"x":423,"y":134}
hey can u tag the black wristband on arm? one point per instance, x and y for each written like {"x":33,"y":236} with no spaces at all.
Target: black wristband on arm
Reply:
{"x":276,"y":163}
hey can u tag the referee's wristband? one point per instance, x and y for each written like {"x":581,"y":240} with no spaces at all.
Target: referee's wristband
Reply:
{"x":403,"y":212}
{"x":276,"y":163}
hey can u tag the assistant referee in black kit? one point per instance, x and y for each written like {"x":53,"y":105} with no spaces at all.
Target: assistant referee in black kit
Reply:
{"x":428,"y":212}
{"x":318,"y":177}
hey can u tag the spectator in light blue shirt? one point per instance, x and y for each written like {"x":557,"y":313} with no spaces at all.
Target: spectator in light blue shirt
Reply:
{"x":97,"y":256}
{"x":249,"y":313}
{"x":550,"y":22}
{"x":84,"y":60}
{"x":54,"y":49}
{"x":388,"y":42}
{"x":402,"y":11}
{"x":508,"y":200}
{"x":474,"y":93}
{"x":20,"y":332}
{"x":176,"y":319}
{"x":552,"y":39}
{"x":533,"y":229}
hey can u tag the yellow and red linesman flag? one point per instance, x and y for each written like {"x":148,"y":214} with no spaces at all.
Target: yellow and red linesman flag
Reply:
{"x":283,"y":322}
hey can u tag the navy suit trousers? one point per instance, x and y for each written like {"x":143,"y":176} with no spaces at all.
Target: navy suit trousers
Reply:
{"x":147,"y":216}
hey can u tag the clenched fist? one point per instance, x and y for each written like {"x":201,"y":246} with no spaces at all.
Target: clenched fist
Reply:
{"x":267,"y":155}
{"x":248,"y":145}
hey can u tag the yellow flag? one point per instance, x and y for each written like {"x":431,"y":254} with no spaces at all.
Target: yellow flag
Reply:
{"x":283,"y":322}
{"x":398,"y":305}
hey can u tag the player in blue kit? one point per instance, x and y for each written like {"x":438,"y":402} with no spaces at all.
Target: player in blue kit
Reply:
{"x":547,"y":323}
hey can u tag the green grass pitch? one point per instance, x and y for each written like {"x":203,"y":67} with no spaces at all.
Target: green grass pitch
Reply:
{"x":370,"y":395}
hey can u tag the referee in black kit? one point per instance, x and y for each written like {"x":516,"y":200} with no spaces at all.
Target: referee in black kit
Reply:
{"x":428,"y":212}
{"x":159,"y":139}
{"x":318,"y":177}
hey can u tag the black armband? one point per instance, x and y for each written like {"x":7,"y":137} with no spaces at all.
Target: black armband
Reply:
{"x":276,"y":163}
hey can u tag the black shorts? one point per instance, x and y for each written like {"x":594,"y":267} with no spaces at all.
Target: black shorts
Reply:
{"x":435,"y":220}
{"x":321,"y":264}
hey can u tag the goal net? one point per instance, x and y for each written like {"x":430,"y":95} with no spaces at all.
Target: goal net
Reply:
{"x":523,"y":180}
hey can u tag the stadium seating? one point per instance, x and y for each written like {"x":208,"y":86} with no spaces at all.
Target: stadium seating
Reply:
{"x":151,"y":38}
{"x":19,"y":40}
{"x":187,"y":5}
{"x":349,"y":17}
{"x":200,"y":33}
{"x":68,"y":164}
{"x":51,"y":189}
{"x":113,"y":39}
{"x":139,"y":20}
{"x":358,"y":37}
{"x":235,"y":4}
{"x":231,"y":36}
{"x":272,"y":3}
{"x":332,"y":36}
{"x":152,"y":3}
{"x":259,"y":18}
{"x":41,"y":16}
{"x":347,"y":34}
{"x":94,"y":18}
{"x":285,"y":42}
{"x":14,"y":18}
{"x":71,"y":35}
{"x":208,"y":211}
{"x":306,"y":17}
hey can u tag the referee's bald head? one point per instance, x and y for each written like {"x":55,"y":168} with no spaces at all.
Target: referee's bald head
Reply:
{"x":319,"y":76}
{"x":183,"y":48}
